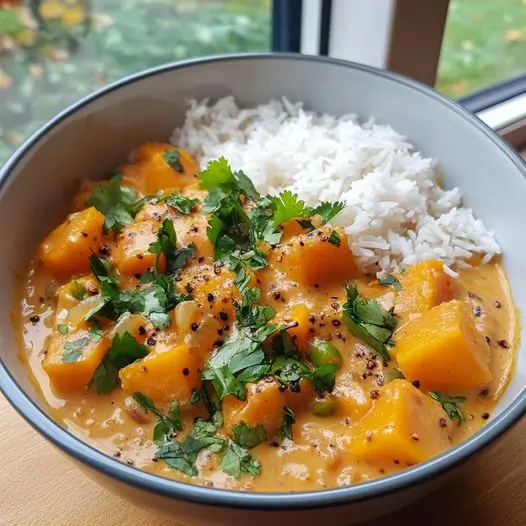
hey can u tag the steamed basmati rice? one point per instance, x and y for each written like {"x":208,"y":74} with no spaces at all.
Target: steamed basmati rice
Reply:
{"x":396,"y":213}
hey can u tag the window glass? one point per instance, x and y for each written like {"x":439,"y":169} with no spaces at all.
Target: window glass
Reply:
{"x":484,"y":43}
{"x":54,"y":52}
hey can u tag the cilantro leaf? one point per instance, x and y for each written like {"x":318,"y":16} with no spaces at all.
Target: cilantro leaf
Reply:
{"x":289,"y":418}
{"x":176,"y":457}
{"x":182,"y":204}
{"x":73,"y":350}
{"x":451,"y":405}
{"x":324,"y":378}
{"x":173,"y":159}
{"x":216,"y":174}
{"x":369,"y":321}
{"x":328,"y":210}
{"x":176,"y":258}
{"x":390,"y":281}
{"x":62,"y":328}
{"x":224,"y":382}
{"x":246,"y":185}
{"x":335,"y":239}
{"x":288,"y":206}
{"x":248,"y":436}
{"x":116,"y":202}
{"x":236,"y":460}
{"x":123,"y":351}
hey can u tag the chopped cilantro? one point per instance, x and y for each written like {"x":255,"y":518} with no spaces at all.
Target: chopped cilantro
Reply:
{"x":182,"y":204}
{"x":73,"y":350}
{"x":236,"y":460}
{"x":390,"y":281}
{"x":289,"y":418}
{"x":176,"y":258}
{"x":451,"y":405}
{"x":248,"y":436}
{"x":335,"y":239}
{"x":369,"y":321}
{"x":119,"y":204}
{"x":78,"y":291}
{"x":327,"y":210}
{"x":323,"y":378}
{"x":62,"y":328}
{"x":123,"y":351}
{"x":288,"y":206}
{"x":173,"y":159}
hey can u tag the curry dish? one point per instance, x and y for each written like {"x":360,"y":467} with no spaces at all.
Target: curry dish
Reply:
{"x":195,"y":329}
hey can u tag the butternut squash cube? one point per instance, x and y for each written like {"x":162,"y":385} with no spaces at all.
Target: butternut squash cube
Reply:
{"x":130,"y":254}
{"x":443,"y":349}
{"x":317,"y":258}
{"x":67,"y":249}
{"x":424,"y":286}
{"x":71,"y":359}
{"x":264,"y":406}
{"x":352,"y":400}
{"x":403,"y":426}
{"x":164,"y":376}
{"x":300,"y":334}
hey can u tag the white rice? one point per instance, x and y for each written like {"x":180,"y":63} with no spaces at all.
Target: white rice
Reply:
{"x":396,"y":213}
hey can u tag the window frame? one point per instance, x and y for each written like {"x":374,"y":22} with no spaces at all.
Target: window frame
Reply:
{"x":405,"y":36}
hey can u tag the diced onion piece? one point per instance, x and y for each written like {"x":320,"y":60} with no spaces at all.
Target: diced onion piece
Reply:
{"x":84,"y":310}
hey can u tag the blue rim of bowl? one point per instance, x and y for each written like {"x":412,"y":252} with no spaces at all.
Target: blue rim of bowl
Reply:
{"x":113,"y":468}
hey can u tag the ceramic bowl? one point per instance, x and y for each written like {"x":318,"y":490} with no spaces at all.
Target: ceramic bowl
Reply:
{"x":94,"y":135}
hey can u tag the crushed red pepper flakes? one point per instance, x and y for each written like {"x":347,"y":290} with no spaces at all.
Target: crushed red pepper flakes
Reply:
{"x":504,"y":344}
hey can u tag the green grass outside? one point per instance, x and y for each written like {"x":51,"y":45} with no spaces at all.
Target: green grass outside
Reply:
{"x":484,"y":42}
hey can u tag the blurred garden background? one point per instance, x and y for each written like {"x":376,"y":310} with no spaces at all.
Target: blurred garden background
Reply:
{"x":52,"y":52}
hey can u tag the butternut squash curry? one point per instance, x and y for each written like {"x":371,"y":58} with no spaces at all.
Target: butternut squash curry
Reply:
{"x":195,"y":329}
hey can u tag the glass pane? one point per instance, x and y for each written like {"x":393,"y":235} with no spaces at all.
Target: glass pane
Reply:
{"x":484,"y":43}
{"x":54,"y":52}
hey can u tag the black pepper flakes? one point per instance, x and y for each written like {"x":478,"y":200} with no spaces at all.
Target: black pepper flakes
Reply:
{"x":484,"y":392}
{"x":151,"y":340}
{"x":485,"y":416}
{"x":442,"y":422}
{"x":477,"y":311}
{"x":35,"y":318}
{"x":194,"y":326}
{"x":415,"y":437}
{"x":186,"y":371}
{"x":374,"y":394}
{"x":84,"y":234}
{"x":497,"y":304}
{"x":137,"y":275}
{"x":188,"y":287}
{"x":210,"y":297}
{"x":140,"y":256}
{"x":504,"y":344}
{"x":201,"y":259}
{"x":416,"y":383}
{"x":369,"y":435}
{"x":488,"y":340}
{"x":335,"y":305}
{"x":295,"y":387}
{"x":142,"y":330}
{"x":336,"y":323}
{"x":276,"y":295}
{"x":223,"y":315}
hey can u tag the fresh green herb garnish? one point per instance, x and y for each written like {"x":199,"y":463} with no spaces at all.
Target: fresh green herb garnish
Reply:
{"x":167,"y":426}
{"x":173,"y":160}
{"x":390,"y":281}
{"x":73,"y":350}
{"x":78,"y":291}
{"x":335,"y":239}
{"x":369,"y":321}
{"x":62,"y":328}
{"x":327,"y":210}
{"x":289,"y":418}
{"x":123,"y":351}
{"x":451,"y":405}
{"x":323,"y":378}
{"x":248,"y":436}
{"x":154,"y":301}
{"x":176,"y":258}
{"x":95,"y":332}
{"x":119,"y":204}
{"x":393,"y":374}
{"x":182,"y":204}
{"x":286,"y":206}
{"x":237,"y":460}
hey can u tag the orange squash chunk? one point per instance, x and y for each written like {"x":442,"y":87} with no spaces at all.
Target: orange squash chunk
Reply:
{"x":130,"y":254}
{"x":71,"y":359}
{"x":160,"y":166}
{"x":264,"y":406}
{"x":300,"y":334}
{"x":351,"y":399}
{"x":311,"y":259}
{"x":67,"y":249}
{"x":164,"y":376}
{"x":443,"y":349}
{"x":424,"y":286}
{"x":403,"y":426}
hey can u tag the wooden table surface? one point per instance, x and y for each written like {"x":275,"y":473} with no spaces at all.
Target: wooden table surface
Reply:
{"x":39,"y":487}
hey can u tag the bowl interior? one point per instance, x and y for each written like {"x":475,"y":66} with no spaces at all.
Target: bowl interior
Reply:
{"x":91,"y":139}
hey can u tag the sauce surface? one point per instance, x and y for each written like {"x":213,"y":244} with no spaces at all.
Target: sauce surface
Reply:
{"x":336,"y":449}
